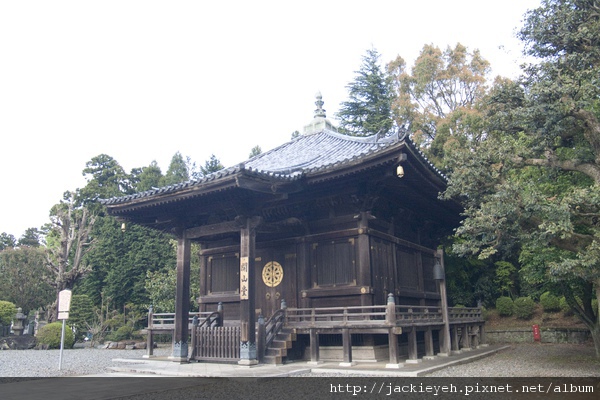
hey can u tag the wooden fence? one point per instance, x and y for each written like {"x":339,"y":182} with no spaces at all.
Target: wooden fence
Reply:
{"x":220,"y":343}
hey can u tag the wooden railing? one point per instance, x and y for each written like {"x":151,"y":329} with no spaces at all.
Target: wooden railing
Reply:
{"x":418,"y":315}
{"x":166,"y":321}
{"x":465,"y":314}
{"x":378,"y":316}
{"x":336,"y":316}
{"x":273,"y":326}
{"x":212,"y":341}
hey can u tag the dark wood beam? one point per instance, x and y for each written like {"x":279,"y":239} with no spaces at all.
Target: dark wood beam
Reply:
{"x":214,"y":229}
{"x":248,"y":350}
{"x":182,"y":301}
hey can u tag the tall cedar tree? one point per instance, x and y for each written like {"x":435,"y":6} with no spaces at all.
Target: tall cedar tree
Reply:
{"x":368,"y":110}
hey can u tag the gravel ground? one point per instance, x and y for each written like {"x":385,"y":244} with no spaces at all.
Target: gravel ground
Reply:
{"x":75,"y":362}
{"x":531,"y":360}
{"x":540,"y":360}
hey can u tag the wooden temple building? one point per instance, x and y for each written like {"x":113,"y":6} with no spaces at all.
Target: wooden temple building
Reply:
{"x":325,"y":245}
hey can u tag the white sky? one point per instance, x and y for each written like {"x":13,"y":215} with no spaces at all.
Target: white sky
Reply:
{"x":141,"y":80}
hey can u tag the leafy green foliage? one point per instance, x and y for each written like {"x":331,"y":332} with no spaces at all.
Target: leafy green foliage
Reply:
{"x":120,"y":261}
{"x":505,"y":306}
{"x":7,"y":312}
{"x":105,"y":179}
{"x":505,"y":277}
{"x":550,"y":302}
{"x":177,"y":172}
{"x":213,"y":165}
{"x":565,"y":307}
{"x":369,"y":107}
{"x":7,"y":241}
{"x":25,"y":280}
{"x":81,"y":314}
{"x":160,"y":286}
{"x":469,"y":281}
{"x":148,"y":177}
{"x":256,"y":150}
{"x":125,"y":332}
{"x":524,"y":307}
{"x":31,"y":238}
{"x":439,"y":98}
{"x":531,"y":189}
{"x":50,"y":335}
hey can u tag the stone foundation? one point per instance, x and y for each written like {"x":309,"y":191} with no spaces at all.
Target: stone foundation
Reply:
{"x":549,"y":335}
{"x":359,"y":353}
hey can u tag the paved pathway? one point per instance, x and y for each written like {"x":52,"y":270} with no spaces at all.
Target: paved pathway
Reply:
{"x":136,"y":378}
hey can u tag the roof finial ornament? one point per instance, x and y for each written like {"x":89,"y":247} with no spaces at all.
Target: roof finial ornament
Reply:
{"x":319,"y":112}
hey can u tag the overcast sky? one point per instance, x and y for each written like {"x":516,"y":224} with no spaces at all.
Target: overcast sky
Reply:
{"x":141,"y":80}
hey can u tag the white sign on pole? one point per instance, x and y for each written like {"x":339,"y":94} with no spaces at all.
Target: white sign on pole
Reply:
{"x":64,"y":303}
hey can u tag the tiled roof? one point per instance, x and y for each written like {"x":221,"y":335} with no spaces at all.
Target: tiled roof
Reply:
{"x":310,"y":154}
{"x":304,"y":156}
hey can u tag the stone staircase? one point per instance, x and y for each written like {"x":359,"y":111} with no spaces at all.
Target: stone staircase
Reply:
{"x":277,"y":351}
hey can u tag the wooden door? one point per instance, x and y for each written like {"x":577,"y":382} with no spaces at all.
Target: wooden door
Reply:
{"x":275,"y":279}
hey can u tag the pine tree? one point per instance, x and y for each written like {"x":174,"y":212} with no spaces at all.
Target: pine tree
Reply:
{"x":212,"y":165}
{"x":369,"y":108}
{"x":177,"y":172}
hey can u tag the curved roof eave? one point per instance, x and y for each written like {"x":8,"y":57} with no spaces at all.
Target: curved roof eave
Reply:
{"x":315,"y":158}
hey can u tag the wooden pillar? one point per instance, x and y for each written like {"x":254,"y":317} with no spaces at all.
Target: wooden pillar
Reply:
{"x":390,"y":319}
{"x":393,"y":349}
{"x":445,"y":337}
{"x":261,"y":339}
{"x":444,"y":342}
{"x":482,"y":338}
{"x":149,"y":344}
{"x":248,"y":353}
{"x":314,"y":347}
{"x":304,"y":272}
{"x":203,"y":278}
{"x":412,"y":347}
{"x":150,"y":335}
{"x":182,"y":300}
{"x":429,"y":353}
{"x":364,"y":259}
{"x":347,"y":348}
{"x":466,"y":337}
{"x":455,"y":345}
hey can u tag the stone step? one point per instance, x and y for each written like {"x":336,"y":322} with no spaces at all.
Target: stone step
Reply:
{"x":278,"y":352}
{"x":281,"y":344}
{"x":274,"y":360}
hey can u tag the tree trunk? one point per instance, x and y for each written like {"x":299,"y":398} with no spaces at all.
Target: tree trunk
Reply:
{"x":65,"y":261}
{"x":596,"y":328}
{"x":596,"y":338}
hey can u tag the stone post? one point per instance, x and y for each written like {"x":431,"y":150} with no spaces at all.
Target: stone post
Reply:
{"x":18,"y":325}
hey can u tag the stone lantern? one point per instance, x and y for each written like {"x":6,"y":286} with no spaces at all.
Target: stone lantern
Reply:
{"x":18,"y":325}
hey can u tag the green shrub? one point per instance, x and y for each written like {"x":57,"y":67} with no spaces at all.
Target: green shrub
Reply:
{"x":51,"y":333}
{"x":566,"y":309}
{"x":7,"y":312}
{"x":524,"y":307}
{"x":564,"y":306}
{"x":550,"y":302}
{"x":484,"y":313}
{"x":123,"y":333}
{"x":504,"y":306}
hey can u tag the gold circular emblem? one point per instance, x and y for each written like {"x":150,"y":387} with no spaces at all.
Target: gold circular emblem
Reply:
{"x":272,"y":273}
